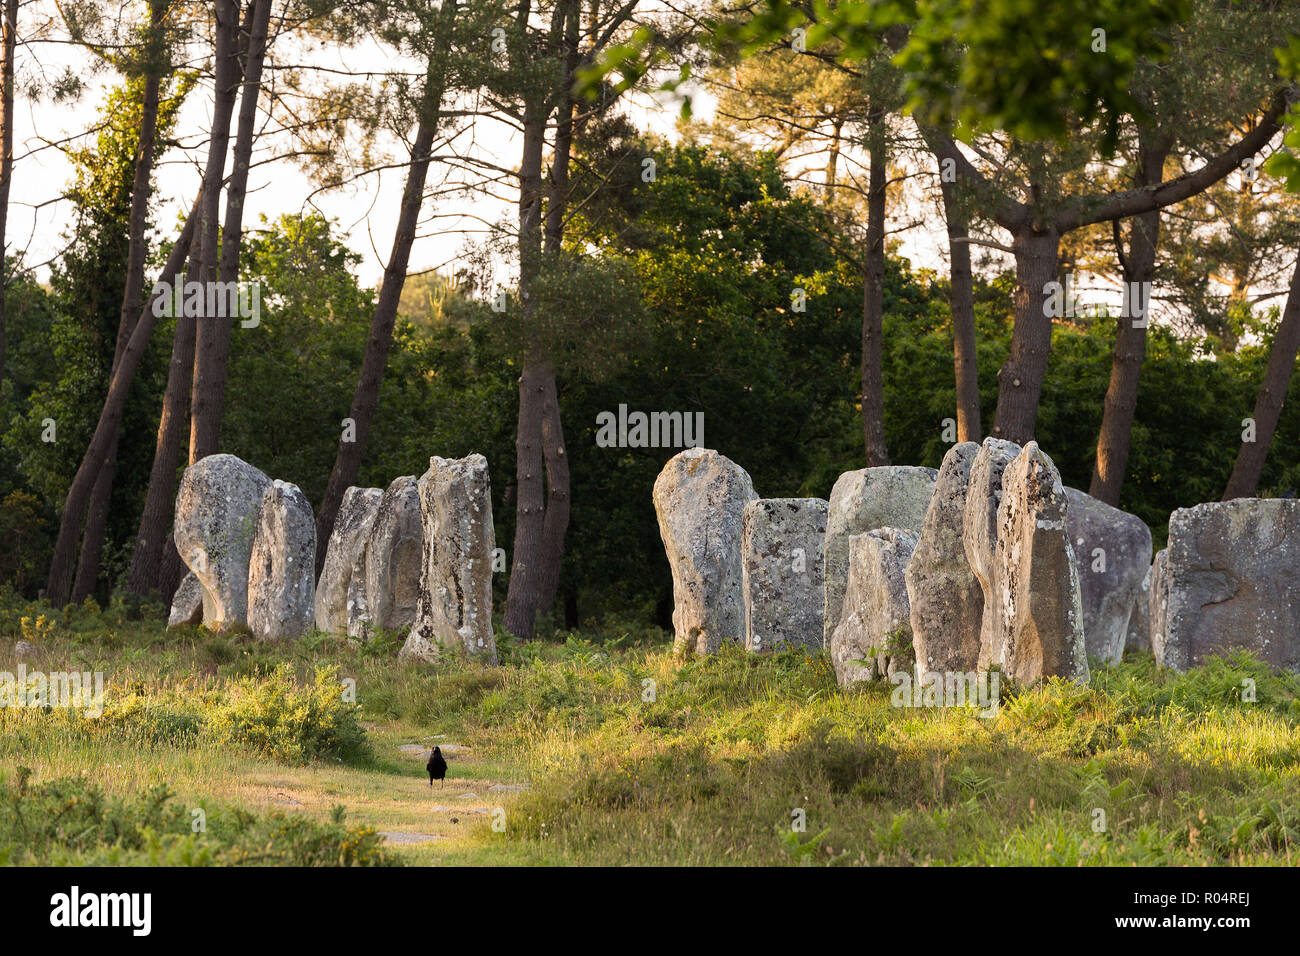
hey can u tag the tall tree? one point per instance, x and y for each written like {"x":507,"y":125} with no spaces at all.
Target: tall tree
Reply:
{"x":153,"y":65}
{"x":961,"y":301}
{"x":1137,"y":269}
{"x":212,"y":341}
{"x":1248,"y":467}
{"x":156,"y":567}
{"x":435,"y":41}
{"x":8,"y":48}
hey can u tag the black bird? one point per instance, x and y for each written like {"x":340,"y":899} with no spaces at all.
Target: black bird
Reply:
{"x":436,"y":766}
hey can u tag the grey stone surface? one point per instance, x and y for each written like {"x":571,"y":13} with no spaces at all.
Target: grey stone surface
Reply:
{"x":893,"y":496}
{"x":454,"y":604}
{"x":216,"y":519}
{"x":1039,"y":624}
{"x":385,"y":579}
{"x":1139,"y":622}
{"x":700,"y":498}
{"x":351,"y":527}
{"x":946,"y":599}
{"x":282,"y":567}
{"x":1113,"y":551}
{"x":874,"y":635}
{"x":980,"y":530}
{"x":781,"y":554}
{"x":1231,"y":579}
{"x":187,"y":603}
{"x":1158,"y":604}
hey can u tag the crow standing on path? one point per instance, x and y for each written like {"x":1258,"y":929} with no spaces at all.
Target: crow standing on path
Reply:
{"x":436,"y":766}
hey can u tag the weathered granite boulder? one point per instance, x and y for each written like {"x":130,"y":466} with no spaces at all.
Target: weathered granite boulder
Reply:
{"x":282,"y":569}
{"x":700,"y":498}
{"x":216,"y":519}
{"x":1231,"y":579}
{"x":351,"y":528}
{"x":781,"y":554}
{"x":980,"y":530}
{"x":874,"y":635}
{"x":1139,"y":622}
{"x":947,"y":602}
{"x":385,"y":580}
{"x":1039,"y":625}
{"x":1158,"y":604}
{"x":893,"y":496}
{"x":453,"y":609}
{"x":1113,"y":551}
{"x":187,"y":603}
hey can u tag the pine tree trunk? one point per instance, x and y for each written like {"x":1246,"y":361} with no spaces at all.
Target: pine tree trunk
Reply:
{"x":7,"y":44}
{"x":347,"y":462}
{"x":961,"y":301}
{"x":556,"y":523}
{"x":212,"y":340}
{"x":1020,"y":380}
{"x":524,"y":594}
{"x":148,"y":572}
{"x":873,"y":302}
{"x":92,"y":540}
{"x":59,"y":584}
{"x":1249,"y":466}
{"x":1115,"y":437}
{"x":154,"y":536}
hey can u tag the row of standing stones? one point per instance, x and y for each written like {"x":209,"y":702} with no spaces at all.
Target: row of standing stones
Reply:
{"x":989,"y":561}
{"x":414,"y":557}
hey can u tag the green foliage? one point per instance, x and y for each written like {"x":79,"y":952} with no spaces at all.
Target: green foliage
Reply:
{"x":278,"y":717}
{"x":1038,"y":71}
{"x":70,"y":821}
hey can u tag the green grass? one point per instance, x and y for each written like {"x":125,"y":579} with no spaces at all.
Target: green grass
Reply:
{"x":630,"y":756}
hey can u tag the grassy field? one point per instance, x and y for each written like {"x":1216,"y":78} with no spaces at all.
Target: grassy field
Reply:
{"x":601,"y":749}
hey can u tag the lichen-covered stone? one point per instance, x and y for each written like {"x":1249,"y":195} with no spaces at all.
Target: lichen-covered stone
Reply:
{"x":1113,"y":551}
{"x":892,"y":496}
{"x":282,"y":567}
{"x":874,"y":635}
{"x":1139,"y":622}
{"x":980,"y":530}
{"x":454,"y":605}
{"x":385,"y":579}
{"x":187,"y":603}
{"x":781,"y":551}
{"x":700,"y":498}
{"x":1039,"y":626}
{"x":947,"y":602}
{"x":217,"y":505}
{"x":351,"y":527}
{"x":1231,"y":579}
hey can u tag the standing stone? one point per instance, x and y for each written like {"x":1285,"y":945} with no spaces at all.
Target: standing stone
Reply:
{"x":282,"y":568}
{"x":347,"y":540}
{"x":1039,"y":627}
{"x":385,"y":580}
{"x":781,"y":552}
{"x":980,"y":530}
{"x":1232,"y":580}
{"x":947,"y":602}
{"x":1113,"y":551}
{"x":216,"y":518}
{"x":892,"y":496}
{"x":1158,"y":605}
{"x":1139,"y":622}
{"x":453,"y":609}
{"x":700,"y":498}
{"x":187,"y":604}
{"x":874,"y":635}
